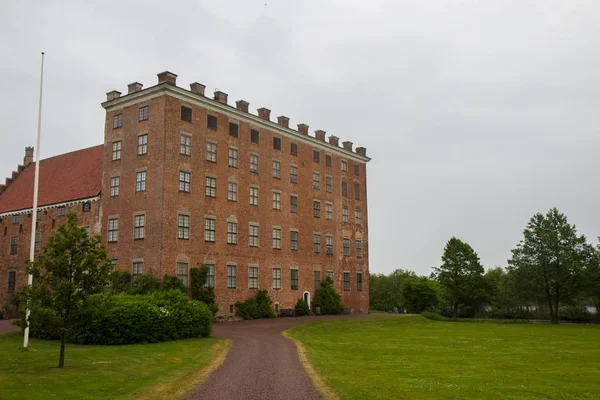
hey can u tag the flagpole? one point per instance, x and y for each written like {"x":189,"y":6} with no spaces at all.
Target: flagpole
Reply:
{"x":35,"y":202}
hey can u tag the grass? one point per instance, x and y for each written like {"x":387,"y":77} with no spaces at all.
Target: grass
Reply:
{"x":417,"y":358}
{"x":161,"y":370}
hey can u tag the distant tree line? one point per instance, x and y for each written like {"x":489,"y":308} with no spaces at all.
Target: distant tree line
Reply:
{"x":553,"y":273}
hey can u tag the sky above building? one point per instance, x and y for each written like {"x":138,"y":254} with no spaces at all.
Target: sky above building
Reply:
{"x":477,"y":114}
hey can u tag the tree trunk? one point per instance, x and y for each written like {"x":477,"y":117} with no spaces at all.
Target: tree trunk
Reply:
{"x":61,"y":360}
{"x":553,"y":318}
{"x":556,"y":301}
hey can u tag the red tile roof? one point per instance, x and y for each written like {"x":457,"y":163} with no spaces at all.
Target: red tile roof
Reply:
{"x":66,"y":177}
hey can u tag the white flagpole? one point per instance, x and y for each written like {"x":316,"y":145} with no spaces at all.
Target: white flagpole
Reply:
{"x":35,"y":202}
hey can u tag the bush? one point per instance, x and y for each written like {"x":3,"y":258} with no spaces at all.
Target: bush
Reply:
{"x":434,"y":316}
{"x":144,"y":284}
{"x":255,"y":307}
{"x":173,"y":283}
{"x":301,"y":308}
{"x":327,"y":299}
{"x":198,"y":277}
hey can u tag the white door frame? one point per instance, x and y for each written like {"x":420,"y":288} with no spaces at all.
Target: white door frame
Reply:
{"x":306,"y":297}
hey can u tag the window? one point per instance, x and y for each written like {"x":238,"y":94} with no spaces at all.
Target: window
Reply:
{"x":356,"y":169}
{"x":316,"y":180}
{"x":357,"y":191}
{"x":139,"y":221}
{"x":277,"y":238}
{"x":186,"y":114}
{"x":185,"y":145}
{"x":254,"y":136}
{"x":140,"y":181}
{"x":317,"y":243}
{"x":253,"y":277}
{"x":12,"y":281}
{"x":137,"y":268}
{"x":115,"y":182}
{"x":116,"y":150}
{"x":15,"y":219}
{"x":211,"y":151}
{"x":253,"y":163}
{"x":316,"y":156}
{"x":232,"y":193}
{"x":211,"y":122}
{"x":233,"y":157}
{"x":209,"y":229}
{"x":211,"y":186}
{"x":86,"y":207}
{"x":328,"y":211}
{"x":293,"y":174}
{"x":277,"y":169}
{"x":233,"y":129}
{"x":345,"y":188}
{"x":14,"y":244}
{"x":253,"y":196}
{"x":276,"y":201}
{"x":276,"y":143}
{"x":117,"y":121}
{"x":231,"y":276}
{"x":183,"y":227}
{"x":60,"y":212}
{"x":358,"y":281}
{"x":294,"y":203}
{"x":38,"y":242}
{"x":329,"y":245}
{"x":142,"y":144}
{"x":182,"y":272}
{"x":346,"y":281}
{"x":344,"y":165}
{"x":294,"y":240}
{"x":346,"y":246}
{"x":357,"y":216}
{"x":113,"y":230}
{"x":276,"y":278}
{"x":143,"y":113}
{"x":38,"y":216}
{"x":294,"y":279}
{"x":185,"y":179}
{"x":316,"y":209}
{"x":328,"y":183}
{"x":358,"y":243}
{"x":231,"y":232}
{"x":317,"y":277}
{"x":253,"y":235}
{"x":330,"y":274}
{"x":345,"y":214}
{"x":294,"y":149}
{"x":328,"y":160}
{"x":210,"y":277}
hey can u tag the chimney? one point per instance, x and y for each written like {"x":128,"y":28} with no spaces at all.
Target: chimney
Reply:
{"x":197,"y":88}
{"x":264,"y":113}
{"x":134,"y":87}
{"x":168,"y":77}
{"x":320,"y":134}
{"x":221,"y":97}
{"x":28,"y":159}
{"x":303,"y":129}
{"x":362,"y":151}
{"x":334,"y":141}
{"x":347,"y":145}
{"x":115,"y":94}
{"x":242,"y":105}
{"x":283,"y":121}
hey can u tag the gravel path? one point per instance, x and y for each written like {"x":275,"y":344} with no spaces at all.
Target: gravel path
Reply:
{"x":261,"y":363}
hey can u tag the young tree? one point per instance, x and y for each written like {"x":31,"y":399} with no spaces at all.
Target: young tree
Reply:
{"x":551,"y":261}
{"x":327,"y":299}
{"x":199,"y":290}
{"x":421,"y":294}
{"x":72,"y":266}
{"x":461,"y":278}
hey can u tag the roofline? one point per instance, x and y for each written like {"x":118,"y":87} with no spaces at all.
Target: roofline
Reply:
{"x":70,"y":152}
{"x":48,"y":206}
{"x":197,"y":99}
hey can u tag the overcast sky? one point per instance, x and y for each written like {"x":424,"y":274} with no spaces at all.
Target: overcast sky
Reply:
{"x":477,"y":114}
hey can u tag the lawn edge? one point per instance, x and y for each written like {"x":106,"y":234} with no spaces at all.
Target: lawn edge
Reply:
{"x":326,"y":391}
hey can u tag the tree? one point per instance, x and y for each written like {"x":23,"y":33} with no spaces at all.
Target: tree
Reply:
{"x":72,"y":266}
{"x":461,"y":278}
{"x":173,"y":283}
{"x":421,"y":294}
{"x":385,"y":292}
{"x":327,"y":299}
{"x":551,"y":260}
{"x":199,"y":289}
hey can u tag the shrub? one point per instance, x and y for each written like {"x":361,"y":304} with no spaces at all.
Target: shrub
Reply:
{"x":301,"y":308}
{"x":144,"y":284}
{"x":120,"y":281}
{"x":434,"y":316}
{"x":255,"y":307}
{"x":198,"y":278}
{"x":173,"y":283}
{"x":327,"y":299}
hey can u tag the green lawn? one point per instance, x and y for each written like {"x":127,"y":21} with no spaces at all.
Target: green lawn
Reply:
{"x":416,"y":358}
{"x":160,"y":370}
